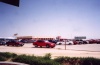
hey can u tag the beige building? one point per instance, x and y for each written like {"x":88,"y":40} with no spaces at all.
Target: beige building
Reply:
{"x":34,"y":38}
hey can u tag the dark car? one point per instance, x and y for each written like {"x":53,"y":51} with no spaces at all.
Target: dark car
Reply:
{"x":53,"y":41}
{"x":27,"y":40}
{"x":14,"y":43}
{"x":2,"y":41}
{"x":94,"y":41}
{"x":43,"y":43}
{"x":80,"y":42}
{"x":98,"y":41}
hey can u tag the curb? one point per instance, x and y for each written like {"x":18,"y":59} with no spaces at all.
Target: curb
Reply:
{"x":11,"y":63}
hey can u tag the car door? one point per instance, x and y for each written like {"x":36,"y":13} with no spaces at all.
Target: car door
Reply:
{"x":12,"y":42}
{"x":40,"y":43}
{"x":43,"y":43}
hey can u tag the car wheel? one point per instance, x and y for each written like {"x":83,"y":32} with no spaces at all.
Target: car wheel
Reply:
{"x":60,"y":43}
{"x":36,"y":45}
{"x":52,"y":47}
{"x":41,"y":46}
{"x":80,"y":42}
{"x":13,"y":45}
{"x":4,"y":44}
{"x":98,"y":43}
{"x":47,"y":46}
{"x":7,"y":44}
{"x":16,"y":45}
{"x":21,"y":44}
{"x":70,"y":44}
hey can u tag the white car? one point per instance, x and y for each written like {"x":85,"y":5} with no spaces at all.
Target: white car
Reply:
{"x":68,"y":42}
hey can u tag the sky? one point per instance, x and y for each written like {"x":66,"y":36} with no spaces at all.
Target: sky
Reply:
{"x":51,"y":18}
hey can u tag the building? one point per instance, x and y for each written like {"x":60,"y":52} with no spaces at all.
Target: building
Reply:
{"x":34,"y":38}
{"x":43,"y":38}
{"x":24,"y":37}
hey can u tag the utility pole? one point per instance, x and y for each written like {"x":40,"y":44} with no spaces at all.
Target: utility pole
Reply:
{"x":15,"y":35}
{"x":65,"y":44}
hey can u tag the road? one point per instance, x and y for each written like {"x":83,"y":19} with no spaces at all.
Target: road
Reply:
{"x":85,"y":50}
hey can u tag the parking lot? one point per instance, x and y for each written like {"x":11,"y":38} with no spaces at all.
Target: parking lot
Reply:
{"x":84,"y":50}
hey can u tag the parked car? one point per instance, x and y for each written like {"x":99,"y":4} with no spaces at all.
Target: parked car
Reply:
{"x":23,"y":40}
{"x":98,"y":41}
{"x":43,"y":43}
{"x":94,"y":41}
{"x":2,"y":41}
{"x":80,"y":42}
{"x":53,"y":41}
{"x":14,"y":43}
{"x":68,"y":42}
{"x":27,"y":40}
{"x":85,"y":42}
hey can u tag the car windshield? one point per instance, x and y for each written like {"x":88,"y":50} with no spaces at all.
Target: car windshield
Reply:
{"x":40,"y":41}
{"x":46,"y":41}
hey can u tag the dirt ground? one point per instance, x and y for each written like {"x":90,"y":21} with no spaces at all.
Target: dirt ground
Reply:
{"x":85,"y":50}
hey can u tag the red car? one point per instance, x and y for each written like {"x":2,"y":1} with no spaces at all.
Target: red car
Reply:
{"x":42,"y":43}
{"x":93,"y":41}
{"x":14,"y":43}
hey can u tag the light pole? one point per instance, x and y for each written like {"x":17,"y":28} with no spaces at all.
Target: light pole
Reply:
{"x":15,"y":35}
{"x":65,"y":44}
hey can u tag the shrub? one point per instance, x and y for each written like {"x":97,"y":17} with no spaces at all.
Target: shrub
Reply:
{"x":6,"y":55}
{"x":76,"y":60}
{"x":90,"y":60}
{"x":47,"y":56}
{"x":23,"y":58}
{"x":13,"y":55}
{"x":46,"y":60}
{"x":32,"y":60}
{"x":2,"y":58}
{"x":59,"y":59}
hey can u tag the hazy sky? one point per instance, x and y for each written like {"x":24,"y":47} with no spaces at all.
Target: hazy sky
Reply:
{"x":51,"y":18}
